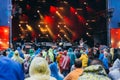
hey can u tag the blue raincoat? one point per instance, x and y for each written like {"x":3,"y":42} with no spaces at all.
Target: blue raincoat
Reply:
{"x":10,"y":70}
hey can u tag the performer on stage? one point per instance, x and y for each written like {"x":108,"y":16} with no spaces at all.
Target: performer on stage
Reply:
{"x":81,"y":42}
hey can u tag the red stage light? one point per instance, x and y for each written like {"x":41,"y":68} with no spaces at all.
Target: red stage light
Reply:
{"x":72,"y":10}
{"x":81,"y":19}
{"x":49,"y":20}
{"x":53,"y":9}
{"x":67,"y":20}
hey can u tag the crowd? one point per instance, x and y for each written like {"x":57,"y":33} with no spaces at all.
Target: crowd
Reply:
{"x":79,"y":63}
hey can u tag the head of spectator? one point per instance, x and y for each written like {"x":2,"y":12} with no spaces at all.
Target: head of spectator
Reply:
{"x":17,"y":58}
{"x":10,"y":70}
{"x":70,"y":50}
{"x":65,"y":53}
{"x":39,"y":70}
{"x":78,"y":63}
{"x":74,"y":74}
{"x":94,"y":72}
{"x":55,"y":71}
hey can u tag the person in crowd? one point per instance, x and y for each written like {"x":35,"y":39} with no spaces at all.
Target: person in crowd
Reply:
{"x":48,"y":59}
{"x":27,"y":64}
{"x":101,"y":55}
{"x":81,"y":42}
{"x":96,"y":53}
{"x":58,"y":58}
{"x":10,"y":70}
{"x":36,"y":53}
{"x":78,"y":55}
{"x":55,"y":71}
{"x":20,"y":52}
{"x":74,"y":75}
{"x":84,"y":59}
{"x":44,"y":52}
{"x":112,"y":53}
{"x":72,"y":56}
{"x":10,"y":53}
{"x":51,"y":54}
{"x":94,"y":72}
{"x":105,"y":61}
{"x":17,"y":58}
{"x":31,"y":52}
{"x":114,"y":73}
{"x":39,"y":70}
{"x":65,"y":63}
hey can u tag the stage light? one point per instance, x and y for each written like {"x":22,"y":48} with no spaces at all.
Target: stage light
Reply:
{"x":76,"y":13}
{"x":58,"y":35}
{"x":22,"y":29}
{"x":38,"y":11}
{"x":5,"y":31}
{"x":93,"y":20}
{"x":85,"y":3}
{"x":58,"y":26}
{"x":47,"y":35}
{"x":38,"y":25}
{"x":29,"y":28}
{"x":59,"y":14}
{"x":65,"y":35}
{"x":65,"y":26}
{"x":27,"y":25}
{"x":46,"y":25}
{"x":86,"y":24}
{"x":19,"y":25}
{"x":87,"y":33}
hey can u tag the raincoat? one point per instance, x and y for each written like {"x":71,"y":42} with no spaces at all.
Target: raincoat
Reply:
{"x":17,"y":58}
{"x":39,"y":70}
{"x":10,"y":70}
{"x":94,"y":72}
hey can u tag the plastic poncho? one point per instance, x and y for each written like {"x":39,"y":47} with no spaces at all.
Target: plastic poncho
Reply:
{"x":20,"y":52}
{"x":17,"y":58}
{"x":36,"y":53}
{"x":50,"y":53}
{"x":72,"y":56}
{"x":39,"y":70}
{"x":55,"y":71}
{"x":31,"y":52}
{"x":94,"y":72}
{"x":10,"y":53}
{"x":10,"y":70}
